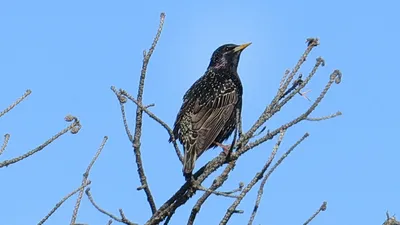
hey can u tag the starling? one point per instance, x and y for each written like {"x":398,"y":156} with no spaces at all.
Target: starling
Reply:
{"x":207,"y":116}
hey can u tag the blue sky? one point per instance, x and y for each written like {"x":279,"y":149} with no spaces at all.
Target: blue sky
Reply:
{"x":69,"y":54}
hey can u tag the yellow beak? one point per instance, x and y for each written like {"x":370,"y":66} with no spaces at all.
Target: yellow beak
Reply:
{"x":241,"y":47}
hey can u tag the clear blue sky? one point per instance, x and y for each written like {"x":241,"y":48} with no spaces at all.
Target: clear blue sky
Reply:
{"x":69,"y":54}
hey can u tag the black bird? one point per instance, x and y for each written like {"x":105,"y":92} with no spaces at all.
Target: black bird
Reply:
{"x":207,"y":116}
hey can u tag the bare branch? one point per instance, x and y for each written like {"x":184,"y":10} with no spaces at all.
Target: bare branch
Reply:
{"x":74,"y":128}
{"x":268,"y":112}
{"x":62,"y":201}
{"x":26,"y":94}
{"x":85,"y":178}
{"x":324,"y":117}
{"x":139,"y":118}
{"x":121,"y":94}
{"x":109,"y":222}
{"x":261,"y":189}
{"x":321,"y":208}
{"x":391,"y":220}
{"x":182,"y":195}
{"x":215,"y":185}
{"x":297,"y":120}
{"x":257,"y":177}
{"x":229,"y":194}
{"x":4,"y":146}
{"x":319,"y":62}
{"x":123,"y":219}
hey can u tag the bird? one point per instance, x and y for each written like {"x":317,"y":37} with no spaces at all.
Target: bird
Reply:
{"x":208,"y":114}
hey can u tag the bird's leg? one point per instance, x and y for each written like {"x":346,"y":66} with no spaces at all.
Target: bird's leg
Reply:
{"x":304,"y":94}
{"x":226,"y":148}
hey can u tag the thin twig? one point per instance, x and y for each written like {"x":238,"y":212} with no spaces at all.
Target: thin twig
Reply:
{"x":257,"y":177}
{"x":319,"y":62}
{"x":216,"y":184}
{"x":324,"y":117}
{"x":261,"y":189}
{"x":391,"y":220}
{"x":269,"y":110}
{"x":228,"y":194}
{"x":124,"y":93}
{"x":295,"y":121}
{"x":139,"y":118}
{"x":62,"y":201}
{"x":26,"y":94}
{"x":109,"y":222}
{"x":123,"y":219}
{"x":283,"y":79}
{"x":4,"y":146}
{"x":321,"y":208}
{"x":84,"y":180}
{"x":74,"y":128}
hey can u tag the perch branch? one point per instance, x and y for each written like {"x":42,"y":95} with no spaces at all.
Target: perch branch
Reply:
{"x":268,"y":111}
{"x":84,"y":180}
{"x":256,"y":178}
{"x":74,"y":128}
{"x":182,"y":195}
{"x":26,"y":94}
{"x":215,"y":185}
{"x":62,"y":201}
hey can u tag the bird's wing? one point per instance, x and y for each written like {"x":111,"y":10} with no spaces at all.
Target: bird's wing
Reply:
{"x":209,"y":120}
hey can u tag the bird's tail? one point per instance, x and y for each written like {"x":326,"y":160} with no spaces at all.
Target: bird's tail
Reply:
{"x":189,"y":161}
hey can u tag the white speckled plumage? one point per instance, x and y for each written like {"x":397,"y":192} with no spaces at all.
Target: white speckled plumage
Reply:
{"x":208,"y":112}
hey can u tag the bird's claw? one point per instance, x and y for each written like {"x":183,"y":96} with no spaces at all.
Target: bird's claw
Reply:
{"x":226,"y":148}
{"x":304,"y":94}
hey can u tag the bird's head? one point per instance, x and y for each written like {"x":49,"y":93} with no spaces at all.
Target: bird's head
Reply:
{"x":227,"y":56}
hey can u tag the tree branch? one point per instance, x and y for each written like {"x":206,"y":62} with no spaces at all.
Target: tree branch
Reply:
{"x":26,"y":94}
{"x":391,"y":220}
{"x":183,"y":194}
{"x":74,"y":128}
{"x":122,"y":95}
{"x":261,"y":189}
{"x":62,"y":201}
{"x":321,"y":208}
{"x":215,"y":185}
{"x":84,"y":180}
{"x":4,"y":146}
{"x":123,"y":219}
{"x":324,"y":117}
{"x":267,"y":114}
{"x":139,"y":118}
{"x":257,"y":177}
{"x":229,"y":194}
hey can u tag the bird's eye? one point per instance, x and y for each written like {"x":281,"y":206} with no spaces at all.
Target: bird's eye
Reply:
{"x":227,"y":49}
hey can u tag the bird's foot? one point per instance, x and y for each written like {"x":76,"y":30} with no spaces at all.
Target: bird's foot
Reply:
{"x":304,"y":94}
{"x":226,"y":148}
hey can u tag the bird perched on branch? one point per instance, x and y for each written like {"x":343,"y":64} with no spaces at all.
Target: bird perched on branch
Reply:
{"x":207,"y":116}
